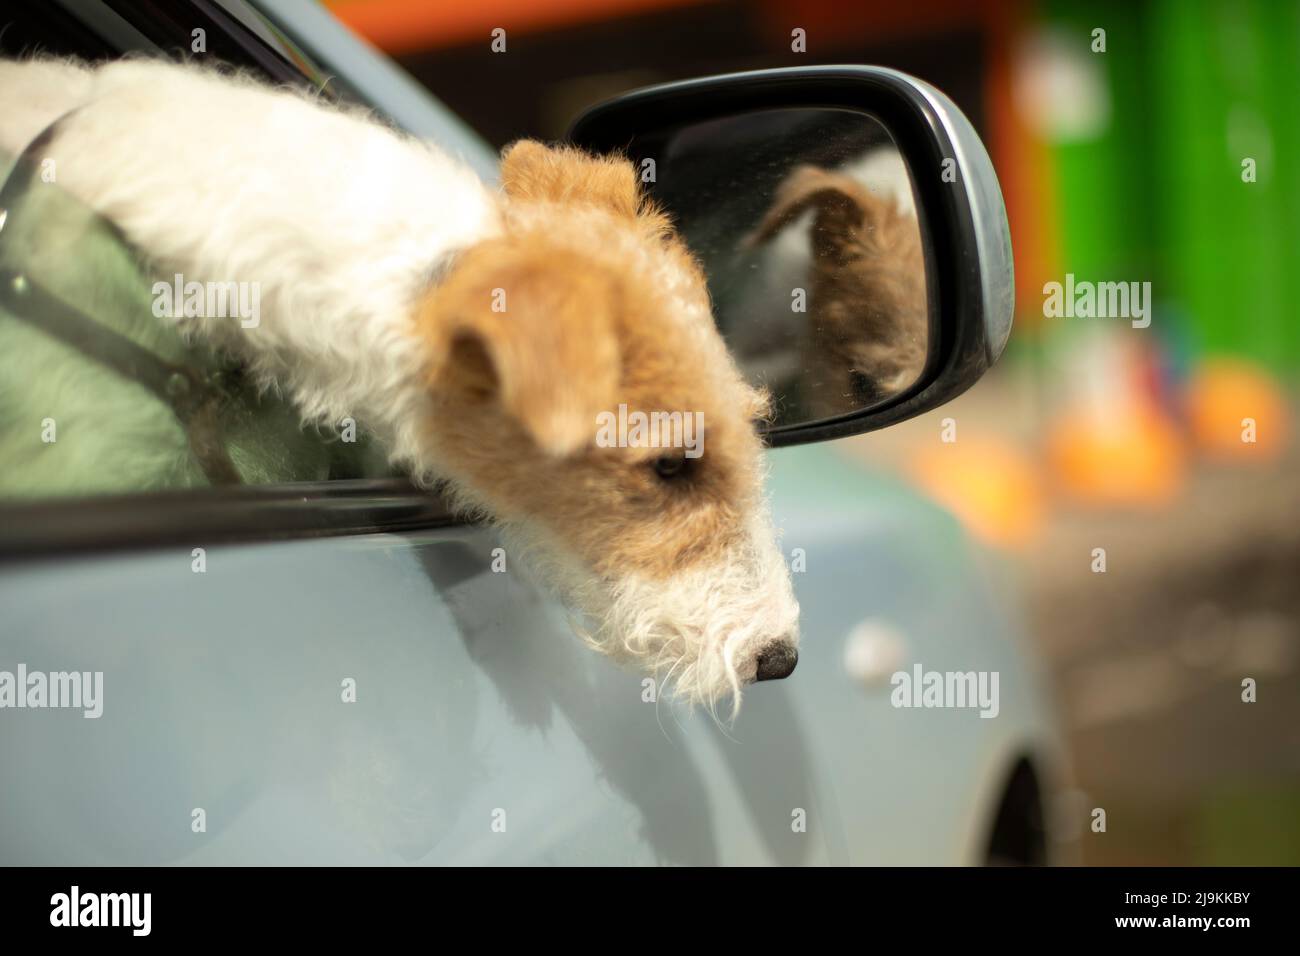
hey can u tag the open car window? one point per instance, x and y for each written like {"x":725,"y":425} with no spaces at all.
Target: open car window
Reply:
{"x":99,"y":391}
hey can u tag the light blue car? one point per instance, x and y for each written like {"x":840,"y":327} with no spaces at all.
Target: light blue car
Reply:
{"x":322,"y":666}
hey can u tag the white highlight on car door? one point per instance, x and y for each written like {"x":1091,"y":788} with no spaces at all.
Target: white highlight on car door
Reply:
{"x":873,"y":651}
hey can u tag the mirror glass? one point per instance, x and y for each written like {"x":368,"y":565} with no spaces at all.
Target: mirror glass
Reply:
{"x":805,"y":221}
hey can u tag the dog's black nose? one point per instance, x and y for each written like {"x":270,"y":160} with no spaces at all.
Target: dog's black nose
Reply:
{"x":777,"y":660}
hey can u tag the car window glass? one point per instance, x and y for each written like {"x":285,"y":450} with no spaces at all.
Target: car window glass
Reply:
{"x":99,"y":395}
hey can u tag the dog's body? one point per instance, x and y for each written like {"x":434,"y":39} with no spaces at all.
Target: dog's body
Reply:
{"x":478,"y":336}
{"x":341,"y":222}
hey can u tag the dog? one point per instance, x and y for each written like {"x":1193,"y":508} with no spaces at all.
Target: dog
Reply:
{"x":866,"y":334}
{"x":479,"y":335}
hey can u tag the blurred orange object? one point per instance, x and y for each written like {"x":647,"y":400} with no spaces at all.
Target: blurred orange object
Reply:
{"x":1237,"y":411}
{"x":1130,"y":456}
{"x":992,"y":487}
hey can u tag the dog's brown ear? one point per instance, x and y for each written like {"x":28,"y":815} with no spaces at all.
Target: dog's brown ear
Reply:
{"x":842,"y":208}
{"x":533,"y":171}
{"x":533,"y":329}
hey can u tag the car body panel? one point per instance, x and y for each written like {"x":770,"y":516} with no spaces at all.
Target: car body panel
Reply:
{"x":224,"y":690}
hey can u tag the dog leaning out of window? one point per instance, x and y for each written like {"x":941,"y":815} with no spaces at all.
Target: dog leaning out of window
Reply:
{"x":480,"y":337}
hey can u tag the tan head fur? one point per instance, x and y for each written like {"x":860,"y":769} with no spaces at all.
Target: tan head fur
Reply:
{"x":588,"y":301}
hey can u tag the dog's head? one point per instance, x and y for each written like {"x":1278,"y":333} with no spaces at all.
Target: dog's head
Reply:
{"x":587,"y":402}
{"x":867,"y":324}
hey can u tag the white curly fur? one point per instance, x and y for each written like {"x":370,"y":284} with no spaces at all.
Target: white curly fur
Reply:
{"x":700,"y":632}
{"x":221,"y":178}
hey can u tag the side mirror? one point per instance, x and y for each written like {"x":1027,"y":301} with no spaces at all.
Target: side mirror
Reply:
{"x":851,"y":227}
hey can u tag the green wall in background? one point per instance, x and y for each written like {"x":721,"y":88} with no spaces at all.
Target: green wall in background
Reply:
{"x":1226,"y":76}
{"x":1103,"y":207}
{"x":1194,"y":87}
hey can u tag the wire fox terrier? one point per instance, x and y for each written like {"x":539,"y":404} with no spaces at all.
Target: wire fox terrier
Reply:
{"x":482,"y":336}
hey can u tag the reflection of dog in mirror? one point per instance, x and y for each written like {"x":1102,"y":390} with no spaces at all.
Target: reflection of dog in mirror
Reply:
{"x":866,"y":336}
{"x":480,"y":336}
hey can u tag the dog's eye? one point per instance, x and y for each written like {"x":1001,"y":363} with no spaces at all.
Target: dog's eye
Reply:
{"x":669,"y":467}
